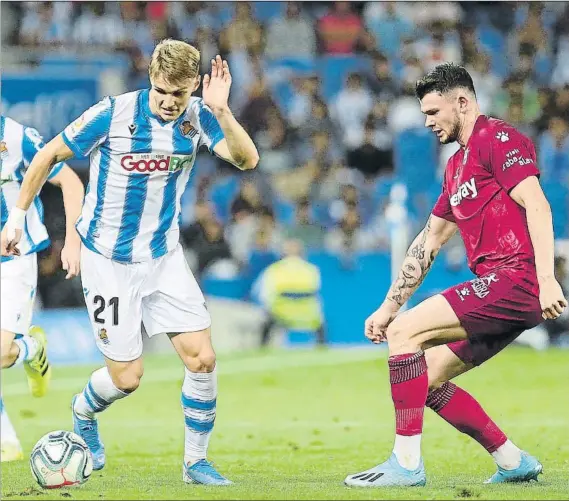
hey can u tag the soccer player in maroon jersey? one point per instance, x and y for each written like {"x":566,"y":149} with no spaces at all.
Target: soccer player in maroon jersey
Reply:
{"x":491,"y":194}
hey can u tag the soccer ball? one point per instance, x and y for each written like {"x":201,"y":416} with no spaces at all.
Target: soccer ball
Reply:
{"x":61,"y":459}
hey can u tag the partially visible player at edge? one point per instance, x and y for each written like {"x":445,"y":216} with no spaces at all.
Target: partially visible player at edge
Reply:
{"x":492,"y":195}
{"x":20,"y":342}
{"x":142,"y":147}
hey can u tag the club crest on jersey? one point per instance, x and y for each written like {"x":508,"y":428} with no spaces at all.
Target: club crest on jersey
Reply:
{"x":481,"y":285}
{"x":502,"y":136}
{"x":187,"y":129}
{"x":3,"y":150}
{"x":103,"y":336}
{"x":462,"y":293}
{"x":77,"y":125}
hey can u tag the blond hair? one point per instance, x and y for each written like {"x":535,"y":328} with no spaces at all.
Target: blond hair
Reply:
{"x":175,"y":61}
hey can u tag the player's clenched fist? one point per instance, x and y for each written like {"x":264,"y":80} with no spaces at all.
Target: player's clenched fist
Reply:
{"x":377,"y":323}
{"x":551,"y":298}
{"x":12,"y":232}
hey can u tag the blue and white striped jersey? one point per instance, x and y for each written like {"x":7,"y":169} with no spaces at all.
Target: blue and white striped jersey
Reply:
{"x":18,"y":145}
{"x":140,"y":166}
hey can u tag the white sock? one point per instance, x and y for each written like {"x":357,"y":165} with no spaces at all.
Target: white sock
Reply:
{"x":408,"y":451}
{"x":507,"y":456}
{"x":28,"y":349}
{"x":199,"y":395}
{"x":7,"y":431}
{"x":98,"y":394}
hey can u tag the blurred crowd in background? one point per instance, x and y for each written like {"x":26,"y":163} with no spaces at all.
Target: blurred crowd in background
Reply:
{"x":326,"y":90}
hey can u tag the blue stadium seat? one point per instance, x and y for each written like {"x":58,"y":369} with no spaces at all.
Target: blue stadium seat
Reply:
{"x":222,"y":193}
{"x":335,"y":69}
{"x":257,"y":261}
{"x":284,"y":211}
{"x":543,"y":68}
{"x":558,"y":196}
{"x":232,"y":288}
{"x":494,"y":43}
{"x":224,"y":12}
{"x":381,"y":190}
{"x":94,"y":61}
{"x":280,"y":73}
{"x":266,"y":11}
{"x":415,"y":157}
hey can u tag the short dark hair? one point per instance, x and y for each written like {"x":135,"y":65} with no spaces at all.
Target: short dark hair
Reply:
{"x":444,"y":78}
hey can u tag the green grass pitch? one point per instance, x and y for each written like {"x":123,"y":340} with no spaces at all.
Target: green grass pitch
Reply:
{"x":292,"y":424}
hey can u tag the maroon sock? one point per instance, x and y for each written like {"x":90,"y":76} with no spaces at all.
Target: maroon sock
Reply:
{"x":409,"y":388}
{"x":461,"y":410}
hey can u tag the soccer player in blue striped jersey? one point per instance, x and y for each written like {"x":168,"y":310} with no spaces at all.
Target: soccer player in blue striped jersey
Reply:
{"x":142,"y":147}
{"x":20,"y":343}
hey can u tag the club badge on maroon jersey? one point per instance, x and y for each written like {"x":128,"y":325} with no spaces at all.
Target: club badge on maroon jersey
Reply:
{"x":502,"y":136}
{"x":480,"y":286}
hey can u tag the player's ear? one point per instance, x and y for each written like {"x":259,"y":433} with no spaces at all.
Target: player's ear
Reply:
{"x":462,"y":103}
{"x":197,"y":83}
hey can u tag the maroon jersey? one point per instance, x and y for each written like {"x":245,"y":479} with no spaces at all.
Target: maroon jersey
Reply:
{"x":475,"y":196}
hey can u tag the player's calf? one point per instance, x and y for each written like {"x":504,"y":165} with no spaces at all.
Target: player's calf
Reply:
{"x":8,"y":351}
{"x":13,"y":353}
{"x":97,"y":396}
{"x":199,"y":404}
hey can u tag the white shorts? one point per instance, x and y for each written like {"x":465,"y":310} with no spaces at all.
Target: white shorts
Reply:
{"x":18,"y":292}
{"x":162,"y":294}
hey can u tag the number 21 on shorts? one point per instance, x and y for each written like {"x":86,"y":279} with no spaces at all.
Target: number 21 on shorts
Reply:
{"x":101,"y":305}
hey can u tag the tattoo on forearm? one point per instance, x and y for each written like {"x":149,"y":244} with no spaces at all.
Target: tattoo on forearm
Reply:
{"x":417,"y":263}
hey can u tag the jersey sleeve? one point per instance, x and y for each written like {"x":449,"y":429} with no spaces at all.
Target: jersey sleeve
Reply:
{"x":32,"y":142}
{"x":210,"y":130}
{"x":90,"y":129}
{"x":442,"y":206}
{"x":512,"y":158}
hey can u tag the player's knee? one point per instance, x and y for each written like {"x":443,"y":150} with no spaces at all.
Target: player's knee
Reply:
{"x":203,"y":362}
{"x":436,"y":380}
{"x":398,"y":334}
{"x":128,"y":380}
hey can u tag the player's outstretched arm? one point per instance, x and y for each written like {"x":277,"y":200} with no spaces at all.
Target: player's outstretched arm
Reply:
{"x":236,"y":147}
{"x":530,"y":196}
{"x":53,"y":152}
{"x":414,"y":269}
{"x":73,"y":194}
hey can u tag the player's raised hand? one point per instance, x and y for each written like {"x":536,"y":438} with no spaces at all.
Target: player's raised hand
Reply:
{"x":377,"y":323}
{"x":551,"y":298}
{"x":216,"y":86}
{"x":71,"y":257}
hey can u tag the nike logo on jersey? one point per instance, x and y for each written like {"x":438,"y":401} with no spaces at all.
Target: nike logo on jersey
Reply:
{"x":132,"y":128}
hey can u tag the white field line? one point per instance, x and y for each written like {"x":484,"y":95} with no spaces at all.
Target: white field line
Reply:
{"x":267,"y":364}
{"x":285,"y":424}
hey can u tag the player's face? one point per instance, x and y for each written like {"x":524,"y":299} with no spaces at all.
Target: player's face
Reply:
{"x":169,"y":101}
{"x":442,"y":116}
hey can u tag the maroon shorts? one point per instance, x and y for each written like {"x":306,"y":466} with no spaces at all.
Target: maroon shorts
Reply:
{"x":494,"y":311}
